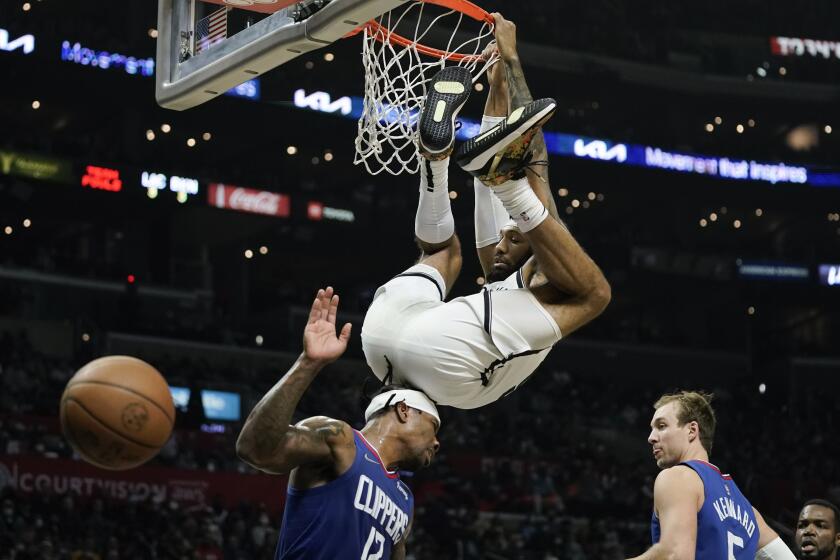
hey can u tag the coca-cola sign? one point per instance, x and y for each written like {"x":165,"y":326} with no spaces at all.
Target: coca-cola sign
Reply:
{"x":248,"y":200}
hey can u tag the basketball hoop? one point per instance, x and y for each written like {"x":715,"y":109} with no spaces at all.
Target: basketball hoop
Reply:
{"x":398,"y":64}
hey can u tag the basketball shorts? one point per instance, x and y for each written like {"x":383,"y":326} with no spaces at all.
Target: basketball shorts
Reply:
{"x":465,"y":353}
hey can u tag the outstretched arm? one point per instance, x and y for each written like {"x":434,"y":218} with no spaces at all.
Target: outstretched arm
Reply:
{"x":520,"y":96}
{"x":577,"y":290}
{"x":490,"y":213}
{"x":267,"y":441}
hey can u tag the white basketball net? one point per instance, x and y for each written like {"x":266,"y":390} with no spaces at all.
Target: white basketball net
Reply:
{"x":396,"y":78}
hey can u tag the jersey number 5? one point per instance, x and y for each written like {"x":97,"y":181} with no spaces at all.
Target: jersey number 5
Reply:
{"x":376,"y":538}
{"x":733,"y":541}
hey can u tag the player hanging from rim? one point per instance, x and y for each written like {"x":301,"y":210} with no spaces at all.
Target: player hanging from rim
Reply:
{"x":502,"y":248}
{"x":473,"y":350}
{"x":345,"y":499}
{"x":698,"y":512}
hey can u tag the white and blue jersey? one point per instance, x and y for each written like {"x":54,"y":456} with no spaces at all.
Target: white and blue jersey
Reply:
{"x":726,"y":525}
{"x":360,"y":515}
{"x":467,"y":352}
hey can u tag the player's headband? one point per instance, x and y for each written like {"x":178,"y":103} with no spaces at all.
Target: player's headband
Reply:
{"x":414,"y":399}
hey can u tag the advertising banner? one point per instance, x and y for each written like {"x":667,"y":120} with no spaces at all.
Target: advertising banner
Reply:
{"x":248,"y":200}
{"x":38,"y":475}
{"x":36,"y":167}
{"x":797,"y":46}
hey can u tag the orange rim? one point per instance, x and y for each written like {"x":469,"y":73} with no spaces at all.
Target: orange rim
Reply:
{"x":379,"y":31}
{"x":466,"y":7}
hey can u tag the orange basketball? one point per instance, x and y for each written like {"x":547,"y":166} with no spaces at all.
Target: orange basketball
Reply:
{"x":117,"y":412}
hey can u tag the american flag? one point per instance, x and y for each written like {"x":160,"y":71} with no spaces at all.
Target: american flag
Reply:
{"x":211,"y":30}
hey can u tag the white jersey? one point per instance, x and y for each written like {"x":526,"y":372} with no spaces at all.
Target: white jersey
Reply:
{"x":465,"y":353}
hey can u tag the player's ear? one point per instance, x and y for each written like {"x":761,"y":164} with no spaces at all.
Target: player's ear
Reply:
{"x":693,"y":430}
{"x":401,"y":410}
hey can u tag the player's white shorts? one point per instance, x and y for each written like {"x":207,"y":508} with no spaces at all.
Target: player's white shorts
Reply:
{"x":467,"y":352}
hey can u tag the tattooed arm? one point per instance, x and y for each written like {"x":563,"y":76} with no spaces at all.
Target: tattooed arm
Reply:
{"x":399,"y":551}
{"x":505,"y":32}
{"x":520,"y":96}
{"x":267,"y":441}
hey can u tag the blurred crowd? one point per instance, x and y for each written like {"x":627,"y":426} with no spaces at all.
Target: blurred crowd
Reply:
{"x":53,"y":527}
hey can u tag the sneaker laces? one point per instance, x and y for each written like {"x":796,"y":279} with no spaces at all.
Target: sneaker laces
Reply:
{"x":527,"y":163}
{"x":537,"y":163}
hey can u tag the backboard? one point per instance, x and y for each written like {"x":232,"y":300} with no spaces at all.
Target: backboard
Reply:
{"x":206,"y":47}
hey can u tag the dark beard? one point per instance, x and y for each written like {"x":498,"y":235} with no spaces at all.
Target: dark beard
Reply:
{"x":819,"y":553}
{"x":497,"y":275}
{"x":413,"y":464}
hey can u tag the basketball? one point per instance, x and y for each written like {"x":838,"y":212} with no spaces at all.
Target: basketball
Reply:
{"x":117,"y":412}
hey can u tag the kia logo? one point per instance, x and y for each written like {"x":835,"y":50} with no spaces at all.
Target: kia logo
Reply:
{"x":26,"y":42}
{"x":598,"y":149}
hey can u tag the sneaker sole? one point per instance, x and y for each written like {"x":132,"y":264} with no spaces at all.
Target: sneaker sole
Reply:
{"x":474,"y":154}
{"x":495,"y":176}
{"x":449,"y":90}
